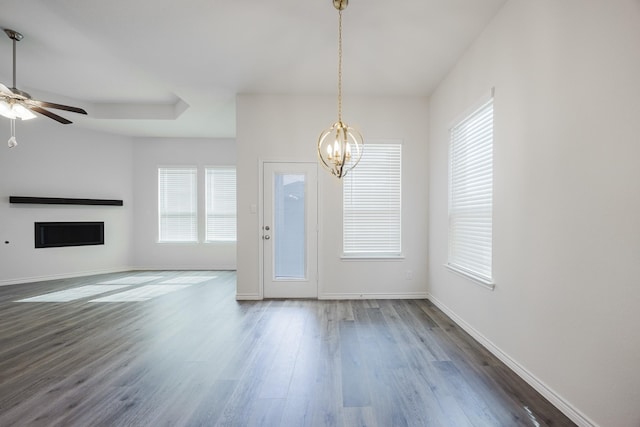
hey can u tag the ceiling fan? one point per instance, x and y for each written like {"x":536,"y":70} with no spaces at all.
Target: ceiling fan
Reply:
{"x":17,"y":104}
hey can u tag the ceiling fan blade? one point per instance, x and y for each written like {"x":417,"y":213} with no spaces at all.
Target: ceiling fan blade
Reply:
{"x":5,"y":90}
{"x":46,"y":104}
{"x":49,"y":114}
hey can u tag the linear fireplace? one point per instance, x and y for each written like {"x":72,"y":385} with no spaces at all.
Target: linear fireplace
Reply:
{"x":57,"y":234}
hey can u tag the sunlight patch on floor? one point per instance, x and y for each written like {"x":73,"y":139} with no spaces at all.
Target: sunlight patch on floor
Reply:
{"x":131,"y":280}
{"x":74,"y":293}
{"x":142,"y":293}
{"x":188,"y":279}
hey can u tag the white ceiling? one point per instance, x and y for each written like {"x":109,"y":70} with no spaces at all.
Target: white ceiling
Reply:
{"x":172,"y":68}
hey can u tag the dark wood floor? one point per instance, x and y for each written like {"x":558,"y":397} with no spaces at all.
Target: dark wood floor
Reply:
{"x":196,"y":357}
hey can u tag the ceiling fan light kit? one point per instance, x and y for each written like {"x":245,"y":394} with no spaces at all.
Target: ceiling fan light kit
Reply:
{"x":17,"y":104}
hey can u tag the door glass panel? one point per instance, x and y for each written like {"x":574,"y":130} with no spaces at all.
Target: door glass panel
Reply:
{"x":289,"y":226}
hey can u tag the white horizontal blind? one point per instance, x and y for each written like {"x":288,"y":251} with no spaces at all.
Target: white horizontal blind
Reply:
{"x":471,"y":194}
{"x":372,"y":197}
{"x":221,"y":204}
{"x":177,"y":205}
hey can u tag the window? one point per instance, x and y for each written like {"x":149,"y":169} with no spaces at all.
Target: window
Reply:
{"x":177,"y":205}
{"x":471,"y":195}
{"x":221,"y":204}
{"x":372,"y":203}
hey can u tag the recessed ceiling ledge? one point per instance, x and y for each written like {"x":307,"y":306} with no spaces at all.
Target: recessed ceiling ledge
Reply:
{"x":128,"y":111}
{"x":118,"y":110}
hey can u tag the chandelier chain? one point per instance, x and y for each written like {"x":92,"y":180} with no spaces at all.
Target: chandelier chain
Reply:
{"x":340,"y":66}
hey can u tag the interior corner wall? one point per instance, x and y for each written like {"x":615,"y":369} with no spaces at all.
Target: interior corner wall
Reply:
{"x":52,"y":160}
{"x":566,"y":255}
{"x":148,"y":155}
{"x":286,"y":128}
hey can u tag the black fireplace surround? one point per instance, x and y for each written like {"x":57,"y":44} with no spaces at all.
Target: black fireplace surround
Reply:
{"x":58,"y":234}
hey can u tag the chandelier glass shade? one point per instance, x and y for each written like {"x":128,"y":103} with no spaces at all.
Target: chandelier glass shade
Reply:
{"x":340,"y":146}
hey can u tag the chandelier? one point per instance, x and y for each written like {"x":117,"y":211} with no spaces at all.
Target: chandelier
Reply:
{"x":340,"y":146}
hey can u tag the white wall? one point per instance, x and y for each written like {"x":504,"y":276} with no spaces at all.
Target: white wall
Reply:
{"x":148,"y":155}
{"x":286,"y":128}
{"x":53,"y":160}
{"x":565,"y":309}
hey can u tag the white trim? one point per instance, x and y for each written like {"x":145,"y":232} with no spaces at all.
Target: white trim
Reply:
{"x":176,"y":242}
{"x":228,"y":267}
{"x":248,"y":297}
{"x":197,"y":215}
{"x":474,"y":106}
{"x":470,"y":189}
{"x":259,"y":233}
{"x":473,"y":277}
{"x":207,"y":184}
{"x":348,"y":296}
{"x":558,"y":401}
{"x":372,"y":257}
{"x":360,"y":195}
{"x":261,"y":167}
{"x":21,"y":280}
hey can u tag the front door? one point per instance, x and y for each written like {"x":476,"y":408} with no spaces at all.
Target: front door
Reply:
{"x":289,"y":230}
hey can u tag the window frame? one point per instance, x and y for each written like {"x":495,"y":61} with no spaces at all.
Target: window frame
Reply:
{"x":347,"y":180}
{"x":206,"y":204}
{"x":484,"y":275}
{"x":194,"y":212}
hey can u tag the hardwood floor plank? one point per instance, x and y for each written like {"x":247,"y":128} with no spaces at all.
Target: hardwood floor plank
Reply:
{"x":403,"y":401}
{"x":418,"y":332}
{"x":361,"y":417}
{"x":379,"y":360}
{"x":211,"y":404}
{"x":279,"y":373}
{"x":198,"y":357}
{"x":525,"y":396}
{"x":473,"y":406}
{"x":266,"y":413}
{"x":471,"y":362}
{"x":355,"y":381}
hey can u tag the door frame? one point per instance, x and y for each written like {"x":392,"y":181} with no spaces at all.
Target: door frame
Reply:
{"x":261,"y":163}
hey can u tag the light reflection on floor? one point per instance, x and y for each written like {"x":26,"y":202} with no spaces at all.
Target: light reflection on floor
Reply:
{"x":140,"y":293}
{"x":188,"y":279}
{"x":532,"y":416}
{"x":74,"y":293}
{"x":131,"y":280}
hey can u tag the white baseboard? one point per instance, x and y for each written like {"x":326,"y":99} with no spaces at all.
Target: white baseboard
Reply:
{"x":574,"y":414}
{"x":248,"y":297}
{"x":59,"y":276}
{"x":406,"y":295}
{"x":190,"y":268}
{"x":346,"y":296}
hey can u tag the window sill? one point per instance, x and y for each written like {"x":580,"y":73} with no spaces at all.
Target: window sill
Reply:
{"x":487,"y":284}
{"x":371,"y":257}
